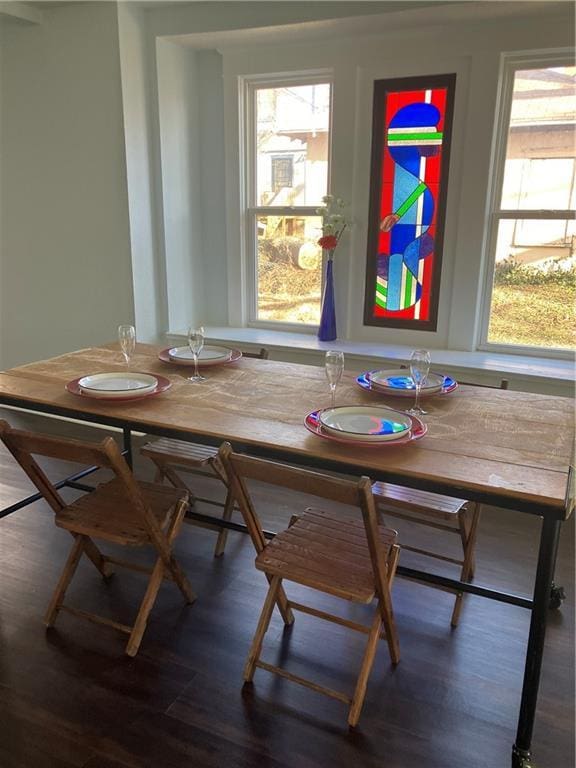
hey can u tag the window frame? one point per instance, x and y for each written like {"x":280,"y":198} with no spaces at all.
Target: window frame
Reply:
{"x":509,"y":65}
{"x":250,"y":211}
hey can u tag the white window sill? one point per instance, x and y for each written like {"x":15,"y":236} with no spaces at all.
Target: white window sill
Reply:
{"x":554,"y":376}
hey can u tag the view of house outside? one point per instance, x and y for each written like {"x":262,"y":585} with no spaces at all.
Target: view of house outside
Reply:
{"x":292,"y":137}
{"x":534,"y":295}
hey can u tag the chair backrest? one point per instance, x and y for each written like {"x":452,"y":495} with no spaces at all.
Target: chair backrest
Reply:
{"x":240,"y":468}
{"x":106,"y":455}
{"x":262,"y":354}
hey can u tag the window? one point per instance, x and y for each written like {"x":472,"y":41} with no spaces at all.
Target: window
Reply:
{"x":287,"y":153}
{"x":532,"y":281}
{"x":412,"y":127}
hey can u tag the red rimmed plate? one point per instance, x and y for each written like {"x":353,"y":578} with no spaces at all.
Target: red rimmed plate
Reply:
{"x":364,"y":381}
{"x":165,"y":357}
{"x":313,"y":424}
{"x":75,"y":389}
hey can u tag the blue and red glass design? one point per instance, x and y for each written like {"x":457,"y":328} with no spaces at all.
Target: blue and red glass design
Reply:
{"x":410,"y":168}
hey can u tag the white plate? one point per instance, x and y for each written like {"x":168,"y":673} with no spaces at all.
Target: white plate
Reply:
{"x":118,"y":384}
{"x":207,"y":354}
{"x":365,"y":422}
{"x":401,"y":381}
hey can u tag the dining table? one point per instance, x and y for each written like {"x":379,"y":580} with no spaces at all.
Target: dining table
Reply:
{"x":509,"y":449}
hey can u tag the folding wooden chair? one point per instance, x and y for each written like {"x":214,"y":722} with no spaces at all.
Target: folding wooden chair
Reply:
{"x":351,"y":559}
{"x":122,"y":511}
{"x":456,"y":516}
{"x":172,"y":457}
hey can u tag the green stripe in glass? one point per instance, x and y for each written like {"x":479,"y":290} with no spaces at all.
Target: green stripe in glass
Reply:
{"x":380,"y":301}
{"x":414,"y":136}
{"x":381,"y":289}
{"x":408,"y":289}
{"x":410,"y":200}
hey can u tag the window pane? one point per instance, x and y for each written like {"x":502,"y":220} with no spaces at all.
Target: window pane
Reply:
{"x":289,"y":269}
{"x":292,"y":140}
{"x":539,"y":170}
{"x":534,"y":295}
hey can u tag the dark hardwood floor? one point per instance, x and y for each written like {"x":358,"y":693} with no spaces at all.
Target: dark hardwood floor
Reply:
{"x":69,"y":697}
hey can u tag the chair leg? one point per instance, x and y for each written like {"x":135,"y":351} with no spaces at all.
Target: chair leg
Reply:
{"x":182,"y":581}
{"x":93,"y":553}
{"x":226,"y":515}
{"x":64,"y":581}
{"x":145,"y":607}
{"x":367,"y":662}
{"x":165,"y":472}
{"x":468,"y":544}
{"x":263,"y":623}
{"x":156,"y":580}
{"x":472,"y":535}
{"x":284,"y":606}
{"x":385,"y":607}
{"x":175,"y":479}
{"x":177,"y":573}
{"x":159,"y":476}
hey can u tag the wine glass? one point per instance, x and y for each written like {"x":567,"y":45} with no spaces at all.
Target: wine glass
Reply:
{"x":127,"y":339}
{"x":419,"y":369}
{"x":334,"y":365}
{"x":196,"y":342}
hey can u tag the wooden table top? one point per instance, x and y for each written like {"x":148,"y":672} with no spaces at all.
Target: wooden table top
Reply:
{"x":508,"y":448}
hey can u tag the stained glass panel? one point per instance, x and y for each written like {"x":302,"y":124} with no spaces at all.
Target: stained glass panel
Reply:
{"x":410,"y":154}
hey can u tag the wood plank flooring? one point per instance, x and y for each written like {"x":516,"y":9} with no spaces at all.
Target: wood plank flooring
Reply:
{"x":69,"y":697}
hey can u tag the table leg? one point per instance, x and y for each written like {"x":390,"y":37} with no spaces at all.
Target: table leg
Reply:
{"x":521,"y":757}
{"x":557,"y":596}
{"x":127,"y":445}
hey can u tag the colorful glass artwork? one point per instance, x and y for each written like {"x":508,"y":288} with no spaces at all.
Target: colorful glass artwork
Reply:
{"x":410,"y":157}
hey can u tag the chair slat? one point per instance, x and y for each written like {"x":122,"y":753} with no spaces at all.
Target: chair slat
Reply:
{"x":75,"y":451}
{"x":415,"y":500}
{"x":106,"y":512}
{"x":296,"y":479}
{"x":179,"y":453}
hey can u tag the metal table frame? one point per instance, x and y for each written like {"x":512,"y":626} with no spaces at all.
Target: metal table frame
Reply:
{"x":548,"y":547}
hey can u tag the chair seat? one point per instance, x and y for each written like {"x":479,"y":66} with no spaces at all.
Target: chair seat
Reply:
{"x":106,"y":513}
{"x":327,"y":554}
{"x":420,"y":502}
{"x":179,"y":452}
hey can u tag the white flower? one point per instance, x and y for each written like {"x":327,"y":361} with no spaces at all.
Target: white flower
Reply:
{"x":334,"y":222}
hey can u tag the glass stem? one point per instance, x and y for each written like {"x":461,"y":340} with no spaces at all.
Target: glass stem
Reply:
{"x":196,"y":366}
{"x":417,"y":397}
{"x":333,"y":391}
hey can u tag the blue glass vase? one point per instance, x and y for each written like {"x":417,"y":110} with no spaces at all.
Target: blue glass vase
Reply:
{"x":327,"y":329}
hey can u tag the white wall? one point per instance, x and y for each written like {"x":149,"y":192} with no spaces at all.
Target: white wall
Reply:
{"x":148,"y":269}
{"x":213,"y":185}
{"x":183,"y":198}
{"x":66,"y":270}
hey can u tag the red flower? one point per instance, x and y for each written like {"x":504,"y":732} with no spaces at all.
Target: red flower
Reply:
{"x":328,"y":242}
